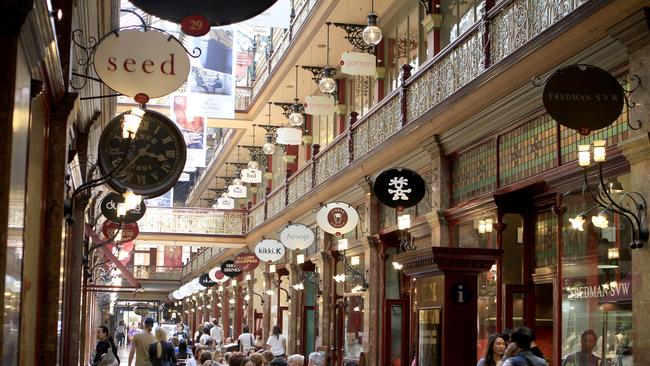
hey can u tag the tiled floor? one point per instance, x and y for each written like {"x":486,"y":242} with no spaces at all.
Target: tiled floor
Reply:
{"x":123,"y":352}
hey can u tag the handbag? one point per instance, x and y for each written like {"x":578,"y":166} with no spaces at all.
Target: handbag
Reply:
{"x":108,"y":359}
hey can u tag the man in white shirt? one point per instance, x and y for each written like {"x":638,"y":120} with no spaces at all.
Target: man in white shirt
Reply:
{"x":216,"y":332}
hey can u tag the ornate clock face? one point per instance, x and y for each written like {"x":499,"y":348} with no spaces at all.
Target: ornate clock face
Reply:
{"x":155,"y":157}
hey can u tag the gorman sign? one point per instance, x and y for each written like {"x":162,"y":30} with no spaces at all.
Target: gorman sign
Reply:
{"x":358,"y":63}
{"x":317,"y":105}
{"x":141,"y":64}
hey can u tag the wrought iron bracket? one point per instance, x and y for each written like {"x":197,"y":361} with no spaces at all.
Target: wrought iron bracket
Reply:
{"x":317,"y":72}
{"x":256,"y":154}
{"x":287,"y":108}
{"x":353,"y":35}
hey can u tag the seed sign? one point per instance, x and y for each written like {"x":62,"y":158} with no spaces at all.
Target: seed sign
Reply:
{"x":269,"y":250}
{"x":141,"y":64}
{"x":399,"y":188}
{"x":297,"y":237}
{"x":583,"y":97}
{"x":337,"y":218}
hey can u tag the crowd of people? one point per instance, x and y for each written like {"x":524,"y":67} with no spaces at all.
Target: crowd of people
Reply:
{"x":206,"y":348}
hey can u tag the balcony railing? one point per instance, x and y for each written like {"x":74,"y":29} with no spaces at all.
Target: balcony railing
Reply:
{"x":193,"y":221}
{"x":457,"y":65}
{"x":264,"y":71}
{"x":224,"y":141}
{"x":200,"y":259}
{"x":156,"y":272}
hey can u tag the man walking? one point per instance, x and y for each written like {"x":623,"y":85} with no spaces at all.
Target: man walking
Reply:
{"x":140,"y":346}
{"x":518,"y":351}
{"x":216,"y":332}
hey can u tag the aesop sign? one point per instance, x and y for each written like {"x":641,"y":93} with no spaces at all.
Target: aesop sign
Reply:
{"x":583,"y":97}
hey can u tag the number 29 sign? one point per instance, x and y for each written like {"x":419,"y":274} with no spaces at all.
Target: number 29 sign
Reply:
{"x":195,"y":25}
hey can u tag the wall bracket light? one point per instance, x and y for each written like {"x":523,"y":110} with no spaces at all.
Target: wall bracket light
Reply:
{"x":610,"y":197}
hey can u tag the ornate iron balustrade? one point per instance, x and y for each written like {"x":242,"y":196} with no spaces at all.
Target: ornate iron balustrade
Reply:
{"x":333,"y":159}
{"x":193,"y":221}
{"x":300,"y":184}
{"x":200,"y":259}
{"x":208,"y":167}
{"x":156,"y":272}
{"x":276,"y":201}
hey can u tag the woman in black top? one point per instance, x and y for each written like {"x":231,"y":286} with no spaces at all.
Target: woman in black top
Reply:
{"x":162,"y":353}
{"x":104,"y":344}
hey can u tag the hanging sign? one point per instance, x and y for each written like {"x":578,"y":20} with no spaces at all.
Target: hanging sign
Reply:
{"x":237,"y":191}
{"x":337,"y":218}
{"x":251,"y":176}
{"x":399,"y":188}
{"x":220,"y":13}
{"x":109,"y":209}
{"x":583,"y":97}
{"x":141,"y":64}
{"x":297,"y":236}
{"x":230,"y":269}
{"x":216,"y":275}
{"x":225,"y":203}
{"x":195,"y":25}
{"x":269,"y":250}
{"x":247,"y":261}
{"x":358,"y":63}
{"x":320,"y":105}
{"x":129,"y":231}
{"x":206,"y":281}
{"x":289,"y":136}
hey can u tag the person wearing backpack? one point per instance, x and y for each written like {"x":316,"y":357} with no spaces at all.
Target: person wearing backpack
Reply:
{"x":105,"y":351}
{"x":518,"y":351}
{"x":161,"y":353}
{"x":246,"y":340}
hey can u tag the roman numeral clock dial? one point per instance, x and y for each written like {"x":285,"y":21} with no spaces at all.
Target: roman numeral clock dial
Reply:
{"x":151,"y":163}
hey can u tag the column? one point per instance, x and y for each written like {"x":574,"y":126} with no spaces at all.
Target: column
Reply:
{"x":295,"y":308}
{"x":250,"y":309}
{"x":266,"y":309}
{"x":439,"y":192}
{"x":373,"y":297}
{"x":51,"y":247}
{"x":633,"y":32}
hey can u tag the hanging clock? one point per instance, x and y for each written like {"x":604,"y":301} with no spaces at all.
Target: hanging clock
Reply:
{"x":155,"y":158}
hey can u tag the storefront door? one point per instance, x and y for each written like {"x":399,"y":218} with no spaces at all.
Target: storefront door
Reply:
{"x":516,"y":298}
{"x":396,"y":331}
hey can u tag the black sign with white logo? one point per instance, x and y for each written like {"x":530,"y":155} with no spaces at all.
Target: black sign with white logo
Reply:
{"x":205,"y":280}
{"x":109,"y":209}
{"x":230,"y":269}
{"x":583,"y":97}
{"x":399,"y":188}
{"x":460,"y":294}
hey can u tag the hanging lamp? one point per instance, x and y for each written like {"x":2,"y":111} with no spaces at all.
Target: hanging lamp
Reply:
{"x":269,"y":147}
{"x":372,"y":33}
{"x":296,"y":118}
{"x":327,"y":84}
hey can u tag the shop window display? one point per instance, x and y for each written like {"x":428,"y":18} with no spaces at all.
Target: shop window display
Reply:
{"x":353,"y":341}
{"x":596,"y":289}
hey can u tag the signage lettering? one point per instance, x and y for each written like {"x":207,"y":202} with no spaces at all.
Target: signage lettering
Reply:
{"x":166,"y":67}
{"x":598,"y":291}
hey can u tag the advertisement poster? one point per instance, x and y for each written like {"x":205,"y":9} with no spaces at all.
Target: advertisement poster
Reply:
{"x":166,"y":200}
{"x":193,"y":128}
{"x":211,"y":83}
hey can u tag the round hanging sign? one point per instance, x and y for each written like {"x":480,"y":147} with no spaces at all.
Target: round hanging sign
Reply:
{"x":216,"y":275}
{"x":195,"y":25}
{"x":269,"y":250}
{"x":337,"y":218}
{"x":399,"y":188}
{"x":583,"y":97}
{"x":129,"y":231}
{"x":297,"y":236}
{"x":230,"y":269}
{"x":109,"y":209}
{"x":147,"y":64}
{"x":222,"y":12}
{"x":247,"y":261}
{"x":206,"y":281}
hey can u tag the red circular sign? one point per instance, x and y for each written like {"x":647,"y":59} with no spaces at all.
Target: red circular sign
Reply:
{"x":247,"y":261}
{"x":337,"y":217}
{"x":141,"y":98}
{"x":195,"y":25}
{"x":129,"y":231}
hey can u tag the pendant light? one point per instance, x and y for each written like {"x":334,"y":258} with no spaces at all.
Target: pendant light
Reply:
{"x":295,"y":118}
{"x":327,"y":84}
{"x":269,"y":147}
{"x":372,"y":33}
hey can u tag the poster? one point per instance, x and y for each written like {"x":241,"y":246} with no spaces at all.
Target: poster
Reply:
{"x":193,"y":128}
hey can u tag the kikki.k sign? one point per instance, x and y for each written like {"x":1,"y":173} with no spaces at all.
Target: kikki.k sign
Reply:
{"x":142,"y":65}
{"x":269,"y":250}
